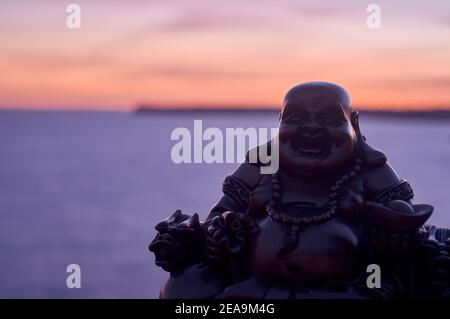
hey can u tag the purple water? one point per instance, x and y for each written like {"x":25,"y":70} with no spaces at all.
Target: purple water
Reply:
{"x":87,"y":188}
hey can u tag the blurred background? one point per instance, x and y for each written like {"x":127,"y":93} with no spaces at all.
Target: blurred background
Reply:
{"x":84,"y":178}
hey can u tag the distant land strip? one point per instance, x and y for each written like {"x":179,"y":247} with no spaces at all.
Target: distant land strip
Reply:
{"x":421,"y":114}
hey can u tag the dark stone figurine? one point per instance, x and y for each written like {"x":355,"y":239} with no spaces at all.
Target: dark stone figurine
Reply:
{"x":310,"y":230}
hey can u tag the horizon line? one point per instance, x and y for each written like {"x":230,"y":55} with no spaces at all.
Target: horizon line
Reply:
{"x":216,"y":108}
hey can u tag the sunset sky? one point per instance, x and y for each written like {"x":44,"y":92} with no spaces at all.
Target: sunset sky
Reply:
{"x":194,"y":53}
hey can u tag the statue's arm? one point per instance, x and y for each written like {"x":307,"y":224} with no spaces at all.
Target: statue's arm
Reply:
{"x":382,"y":184}
{"x":389,"y":202}
{"x":418,"y":255}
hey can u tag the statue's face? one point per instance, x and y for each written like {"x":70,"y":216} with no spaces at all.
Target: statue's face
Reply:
{"x":315,"y":132}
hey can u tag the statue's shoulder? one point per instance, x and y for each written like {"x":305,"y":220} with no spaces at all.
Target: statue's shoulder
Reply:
{"x":240,"y":184}
{"x":249,"y":172}
{"x":381,"y":179}
{"x":249,"y":175}
{"x":237,"y":188}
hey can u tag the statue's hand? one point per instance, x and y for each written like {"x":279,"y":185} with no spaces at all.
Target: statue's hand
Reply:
{"x":228,"y":235}
{"x":178,"y":242}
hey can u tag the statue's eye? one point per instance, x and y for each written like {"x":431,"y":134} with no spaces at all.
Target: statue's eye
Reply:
{"x":294,"y":118}
{"x":329,"y":120}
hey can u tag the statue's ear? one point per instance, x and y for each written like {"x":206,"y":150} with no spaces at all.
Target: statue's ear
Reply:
{"x":368,"y":154}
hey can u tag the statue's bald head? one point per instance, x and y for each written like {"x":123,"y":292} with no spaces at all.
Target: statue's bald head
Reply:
{"x":317,"y":95}
{"x":315,"y":128}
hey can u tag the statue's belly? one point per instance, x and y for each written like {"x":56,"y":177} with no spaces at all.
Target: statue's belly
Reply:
{"x":325,"y":252}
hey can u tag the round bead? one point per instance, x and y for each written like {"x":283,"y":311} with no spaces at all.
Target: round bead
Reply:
{"x":307,"y":219}
{"x":345,"y":177}
{"x":358,"y":160}
{"x":357,"y":168}
{"x":276,"y":195}
{"x":352,"y":174}
{"x":317,"y":218}
{"x":333,"y":195}
{"x":334,"y":188}
{"x":276,"y":187}
{"x":285,"y":218}
{"x":295,"y":228}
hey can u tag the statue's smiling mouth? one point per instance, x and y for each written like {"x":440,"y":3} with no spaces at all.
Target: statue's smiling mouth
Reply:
{"x":315,"y":144}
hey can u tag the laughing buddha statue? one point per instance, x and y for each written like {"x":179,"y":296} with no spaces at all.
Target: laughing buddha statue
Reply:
{"x":310,"y":230}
